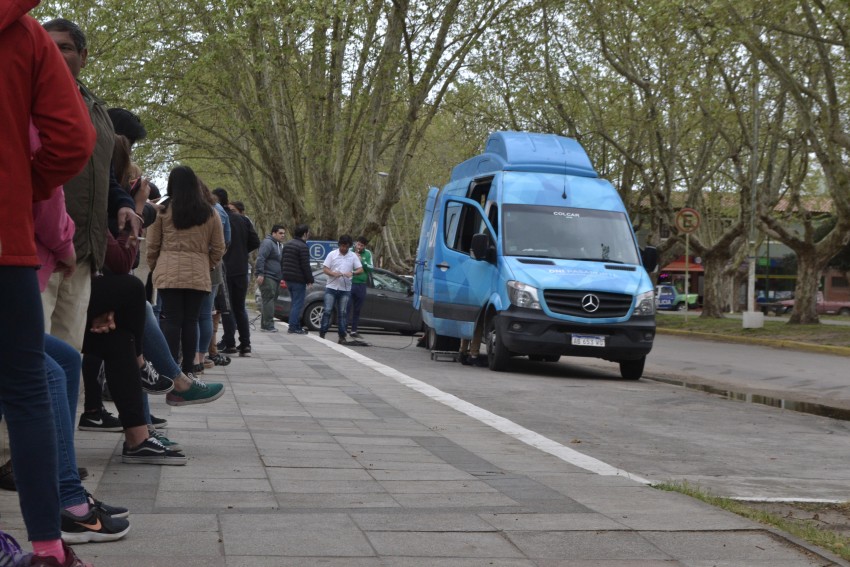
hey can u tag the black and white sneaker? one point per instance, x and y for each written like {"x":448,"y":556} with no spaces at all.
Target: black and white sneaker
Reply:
{"x":153,"y":382}
{"x":152,"y":452}
{"x":99,"y":420}
{"x":112,"y":511}
{"x":355,"y":335}
{"x":158,"y":422}
{"x":96,"y":526}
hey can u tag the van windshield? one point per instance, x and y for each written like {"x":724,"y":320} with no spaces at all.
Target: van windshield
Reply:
{"x":568,"y":233}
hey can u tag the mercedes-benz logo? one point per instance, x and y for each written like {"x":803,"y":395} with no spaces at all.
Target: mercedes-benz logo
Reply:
{"x":590,"y":303}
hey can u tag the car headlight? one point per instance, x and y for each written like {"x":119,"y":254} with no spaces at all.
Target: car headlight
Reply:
{"x":645,"y":305}
{"x":523,"y":295}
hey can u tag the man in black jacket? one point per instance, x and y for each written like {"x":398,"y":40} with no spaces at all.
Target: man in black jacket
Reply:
{"x":296,"y":271}
{"x":243,"y":241}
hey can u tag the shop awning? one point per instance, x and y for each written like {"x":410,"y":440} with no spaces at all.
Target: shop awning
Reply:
{"x":679,"y":266}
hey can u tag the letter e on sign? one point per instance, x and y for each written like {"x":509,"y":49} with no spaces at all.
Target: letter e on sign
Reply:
{"x":687,"y":220}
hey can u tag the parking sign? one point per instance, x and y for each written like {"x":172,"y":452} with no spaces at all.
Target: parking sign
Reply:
{"x":319,"y":249}
{"x":687,"y":220}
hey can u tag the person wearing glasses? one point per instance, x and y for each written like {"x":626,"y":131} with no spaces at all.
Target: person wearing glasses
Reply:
{"x":268,"y":269}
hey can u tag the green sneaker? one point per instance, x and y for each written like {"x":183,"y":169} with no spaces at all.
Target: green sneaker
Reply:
{"x":199,"y":393}
{"x":166,"y":442}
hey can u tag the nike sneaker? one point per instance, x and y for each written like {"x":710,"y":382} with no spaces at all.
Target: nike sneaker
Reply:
{"x":96,"y":526}
{"x":99,"y":420}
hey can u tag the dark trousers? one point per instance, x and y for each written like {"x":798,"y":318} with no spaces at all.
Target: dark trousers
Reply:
{"x":238,"y":318}
{"x":179,"y":323}
{"x":26,"y":404}
{"x":119,"y":349}
{"x":358,"y":296}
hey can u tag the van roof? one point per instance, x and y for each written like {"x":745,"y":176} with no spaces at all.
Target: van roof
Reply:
{"x":526,"y":151}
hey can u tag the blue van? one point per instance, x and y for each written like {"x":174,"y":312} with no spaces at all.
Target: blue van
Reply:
{"x":527,"y":241}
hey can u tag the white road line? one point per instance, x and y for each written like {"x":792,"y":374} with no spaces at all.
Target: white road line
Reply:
{"x":780,"y":499}
{"x":499,"y":423}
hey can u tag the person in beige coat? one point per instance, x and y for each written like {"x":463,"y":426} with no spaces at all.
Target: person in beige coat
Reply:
{"x":185,"y":243}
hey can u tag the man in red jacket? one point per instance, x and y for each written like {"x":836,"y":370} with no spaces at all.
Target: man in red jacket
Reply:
{"x":37,"y":87}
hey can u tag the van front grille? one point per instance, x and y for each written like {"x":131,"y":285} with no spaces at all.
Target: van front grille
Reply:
{"x":571,"y":302}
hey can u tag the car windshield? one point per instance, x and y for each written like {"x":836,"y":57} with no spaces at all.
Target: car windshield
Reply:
{"x":568,"y":233}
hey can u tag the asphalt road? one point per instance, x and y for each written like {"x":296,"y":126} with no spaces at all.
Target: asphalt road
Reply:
{"x":664,"y":432}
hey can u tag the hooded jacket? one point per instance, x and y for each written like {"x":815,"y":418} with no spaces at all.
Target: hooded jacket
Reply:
{"x":37,"y":86}
{"x":268,"y":258}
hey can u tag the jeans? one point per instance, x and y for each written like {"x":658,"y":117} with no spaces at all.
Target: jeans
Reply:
{"x":26,"y":403}
{"x":269,"y":290}
{"x":297,"y":292}
{"x":205,"y":322}
{"x":63,"y":381}
{"x":340,"y":298}
{"x":358,"y":296}
{"x":238,"y":318}
{"x":179,"y":322}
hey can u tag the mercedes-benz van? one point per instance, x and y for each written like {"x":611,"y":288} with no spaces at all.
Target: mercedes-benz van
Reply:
{"x":527,"y":241}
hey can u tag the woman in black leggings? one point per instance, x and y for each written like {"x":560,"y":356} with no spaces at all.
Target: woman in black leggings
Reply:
{"x":116,"y":325}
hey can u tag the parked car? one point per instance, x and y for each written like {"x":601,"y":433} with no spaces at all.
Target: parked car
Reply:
{"x":823,"y":306}
{"x":668,"y":297}
{"x":388,"y":305}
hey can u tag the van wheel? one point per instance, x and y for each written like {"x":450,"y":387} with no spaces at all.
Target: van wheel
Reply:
{"x":632,"y":369}
{"x":498,"y":354}
{"x":313,"y":316}
{"x":441,"y":342}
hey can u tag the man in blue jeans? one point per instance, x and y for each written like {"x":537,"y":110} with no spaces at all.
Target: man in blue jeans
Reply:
{"x":298,"y":275}
{"x":340,"y":266}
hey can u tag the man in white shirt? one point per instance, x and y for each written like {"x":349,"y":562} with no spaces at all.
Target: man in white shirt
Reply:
{"x":339,"y":266}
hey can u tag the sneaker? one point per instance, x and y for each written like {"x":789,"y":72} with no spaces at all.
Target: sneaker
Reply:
{"x":153,"y":382}
{"x":113,"y":511}
{"x":297,"y":332}
{"x":229,"y":350}
{"x":99,"y":420}
{"x":479,"y":361}
{"x":244,"y":350}
{"x":158,"y":422}
{"x":199,"y":393}
{"x":464,"y":359}
{"x":321,"y":335}
{"x":272,"y":330}
{"x":343,"y":341}
{"x":208,"y":362}
{"x":71,"y":560}
{"x":198,"y":368}
{"x":355,"y":335}
{"x":221,"y":360}
{"x":166,"y":442}
{"x":220,"y":345}
{"x":96,"y":526}
{"x":11,"y":553}
{"x":151,"y":452}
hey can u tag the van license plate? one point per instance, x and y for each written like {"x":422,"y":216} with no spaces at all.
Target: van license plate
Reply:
{"x":588,"y":340}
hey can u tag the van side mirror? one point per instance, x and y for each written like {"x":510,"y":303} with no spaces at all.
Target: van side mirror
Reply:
{"x":482,"y":248}
{"x":649,"y":256}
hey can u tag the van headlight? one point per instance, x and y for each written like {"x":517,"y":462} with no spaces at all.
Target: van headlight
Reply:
{"x":523,"y":295}
{"x":645,"y":305}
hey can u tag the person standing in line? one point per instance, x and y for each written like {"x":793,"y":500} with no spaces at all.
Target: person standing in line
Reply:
{"x":298,"y":275}
{"x":243,"y":241}
{"x":339,"y":266}
{"x":92,"y":197}
{"x":268,"y":270}
{"x":359,"y":284}
{"x":37,"y":88}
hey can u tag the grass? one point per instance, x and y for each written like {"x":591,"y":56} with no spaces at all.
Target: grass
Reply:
{"x":773,"y":329}
{"x":810,"y":531}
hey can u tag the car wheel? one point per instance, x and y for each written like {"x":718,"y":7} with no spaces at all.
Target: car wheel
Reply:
{"x":681,"y":306}
{"x":632,"y":369}
{"x":844,"y":311}
{"x":498,"y":354}
{"x":313,"y":316}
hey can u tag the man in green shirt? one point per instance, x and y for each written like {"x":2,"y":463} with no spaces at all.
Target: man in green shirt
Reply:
{"x":359,"y":284}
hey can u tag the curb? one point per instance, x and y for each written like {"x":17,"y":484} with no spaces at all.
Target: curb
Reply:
{"x":790,"y":345}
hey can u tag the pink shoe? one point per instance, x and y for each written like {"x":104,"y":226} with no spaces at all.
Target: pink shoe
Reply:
{"x":71,"y":560}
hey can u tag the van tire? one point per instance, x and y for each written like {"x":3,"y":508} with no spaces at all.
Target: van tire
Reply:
{"x":632,"y":369}
{"x":441,"y":342}
{"x":498,"y":354}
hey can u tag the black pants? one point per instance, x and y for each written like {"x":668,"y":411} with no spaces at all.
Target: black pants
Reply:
{"x":179,"y":323}
{"x":119,"y":349}
{"x":238,"y":318}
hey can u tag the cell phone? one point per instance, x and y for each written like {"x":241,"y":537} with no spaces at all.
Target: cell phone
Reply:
{"x":162,"y":200}
{"x":135,"y":187}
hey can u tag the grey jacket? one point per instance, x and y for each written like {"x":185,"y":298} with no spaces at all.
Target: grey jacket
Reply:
{"x":268,"y":259}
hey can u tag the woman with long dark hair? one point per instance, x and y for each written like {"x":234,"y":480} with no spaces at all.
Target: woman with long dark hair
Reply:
{"x":185,"y":243}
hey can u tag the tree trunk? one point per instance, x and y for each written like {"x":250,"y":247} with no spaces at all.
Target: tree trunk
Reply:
{"x":805,"y":292}
{"x":715,"y":292}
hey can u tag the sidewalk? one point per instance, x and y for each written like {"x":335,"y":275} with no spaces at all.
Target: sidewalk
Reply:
{"x":316,"y":456}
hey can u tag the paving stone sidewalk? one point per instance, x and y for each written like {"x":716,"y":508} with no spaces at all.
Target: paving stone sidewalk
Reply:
{"x":313,"y":458}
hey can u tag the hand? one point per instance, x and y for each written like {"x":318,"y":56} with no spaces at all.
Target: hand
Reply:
{"x":129,"y":220}
{"x":67,"y":265}
{"x":103,"y":323}
{"x":260,"y":279}
{"x":347,"y":274}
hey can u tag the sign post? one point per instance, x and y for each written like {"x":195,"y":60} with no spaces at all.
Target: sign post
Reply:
{"x":687,"y":221}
